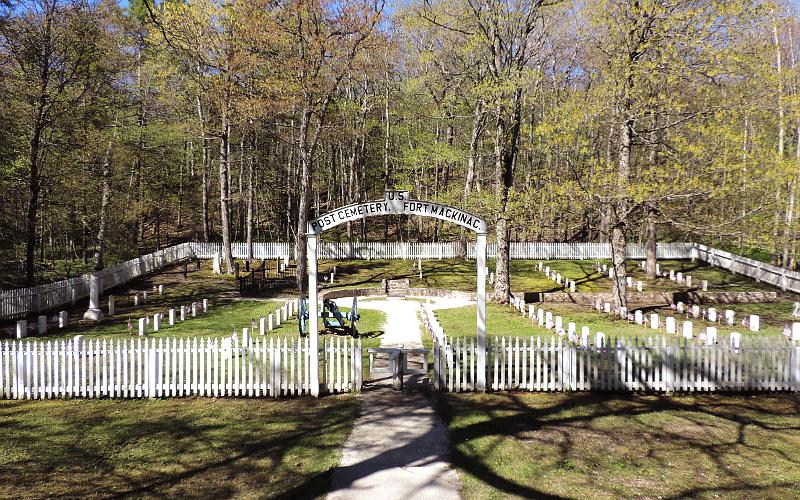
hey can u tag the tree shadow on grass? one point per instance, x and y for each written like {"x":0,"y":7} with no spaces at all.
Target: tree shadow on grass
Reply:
{"x":171,"y":448}
{"x":563,"y":433}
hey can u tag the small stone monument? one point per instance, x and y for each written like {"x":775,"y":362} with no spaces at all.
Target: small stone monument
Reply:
{"x":63,"y":319}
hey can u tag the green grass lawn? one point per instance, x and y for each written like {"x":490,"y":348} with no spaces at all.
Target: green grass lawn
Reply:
{"x":623,"y":446}
{"x":458,"y":274}
{"x":200,"y":448}
{"x":507,"y":321}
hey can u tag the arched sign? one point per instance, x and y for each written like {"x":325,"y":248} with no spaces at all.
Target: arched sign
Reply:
{"x":397,"y":202}
{"x":394,"y":203}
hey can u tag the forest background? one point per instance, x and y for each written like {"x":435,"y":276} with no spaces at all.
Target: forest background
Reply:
{"x":127,"y":128}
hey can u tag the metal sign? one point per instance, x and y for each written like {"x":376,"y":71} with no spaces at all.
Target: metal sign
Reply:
{"x":395,"y":203}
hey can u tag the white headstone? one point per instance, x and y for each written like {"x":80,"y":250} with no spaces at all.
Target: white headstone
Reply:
{"x":531,"y":310}
{"x":711,"y":335}
{"x":278,"y":317}
{"x":205,"y":305}
{"x":695,"y":311}
{"x":623,"y":312}
{"x":681,"y":307}
{"x":712,"y":314}
{"x":572,"y":286}
{"x":796,"y":312}
{"x":598,"y":305}
{"x":672,"y":274}
{"x":605,"y":267}
{"x":144,"y":296}
{"x":638,"y":317}
{"x":156,"y":322}
{"x":599,"y":339}
{"x":571,"y":328}
{"x":629,"y":281}
{"x":112,"y":305}
{"x":607,"y":307}
{"x":171,"y":317}
{"x":658,"y":268}
{"x":142,"y":327}
{"x":540,"y":316}
{"x":704,"y":285}
{"x":269,"y":322}
{"x":654,"y":324}
{"x":688,"y":280}
{"x":22,"y":328}
{"x":639,"y":286}
{"x":136,"y":300}
{"x":183,"y":313}
{"x":736,"y":340}
{"x":755,"y":323}
{"x":540,"y":266}
{"x":559,"y":323}
{"x":795,"y":331}
{"x":548,"y":320}
{"x":194,"y":309}
{"x":245,"y":336}
{"x":42,"y":324}
{"x":77,"y":343}
{"x":585,"y":336}
{"x":687,"y":329}
{"x":262,"y":325}
{"x":161,"y":289}
{"x":670,"y":324}
{"x":63,"y":319}
{"x":729,"y":317}
{"x":95,"y":289}
{"x":679,"y":277}
{"x":216,"y":265}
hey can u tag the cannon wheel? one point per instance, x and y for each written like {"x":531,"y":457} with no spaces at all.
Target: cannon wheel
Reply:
{"x":354,"y":318}
{"x":302,"y":318}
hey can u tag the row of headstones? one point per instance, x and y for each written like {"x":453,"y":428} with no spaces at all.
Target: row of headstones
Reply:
{"x":678,"y":277}
{"x":271,"y":321}
{"x":172,"y":315}
{"x":557,"y":278}
{"x":139,"y":298}
{"x":41,"y":324}
{"x":753,"y":322}
{"x":546,"y":319}
{"x":603,"y":268}
{"x":710,"y":334}
{"x":62,"y":317}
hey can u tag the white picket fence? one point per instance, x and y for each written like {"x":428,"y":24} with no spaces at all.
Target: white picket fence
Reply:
{"x":442,"y":250}
{"x":24,"y":301}
{"x":174,"y":367}
{"x":655,"y":365}
{"x":21,"y":302}
{"x":760,"y":271}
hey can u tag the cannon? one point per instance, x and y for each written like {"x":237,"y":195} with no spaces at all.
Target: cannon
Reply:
{"x":332,"y":317}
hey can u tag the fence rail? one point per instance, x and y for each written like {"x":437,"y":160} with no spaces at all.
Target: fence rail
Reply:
{"x":24,"y":301}
{"x":172,"y":367}
{"x":442,"y":250}
{"x":760,"y":271}
{"x":537,"y":364}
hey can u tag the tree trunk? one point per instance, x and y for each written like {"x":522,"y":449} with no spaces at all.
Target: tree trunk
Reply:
{"x":224,"y":194}
{"x":506,"y":151}
{"x":304,"y":201}
{"x":478,"y":122}
{"x":651,"y":248}
{"x":250,"y":174}
{"x":619,"y":217}
{"x":104,"y":199}
{"x":206,"y":166}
